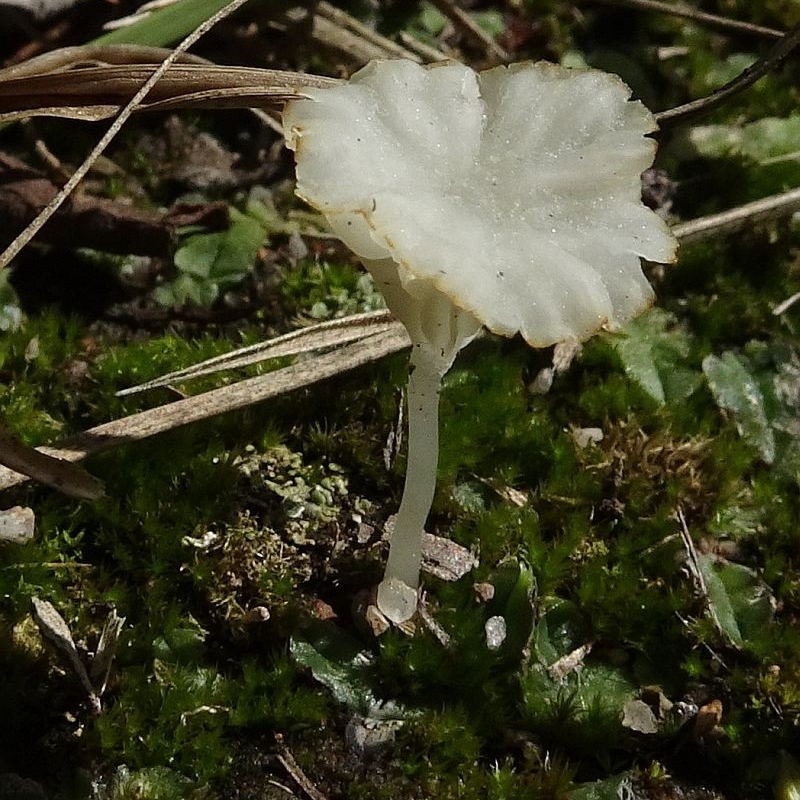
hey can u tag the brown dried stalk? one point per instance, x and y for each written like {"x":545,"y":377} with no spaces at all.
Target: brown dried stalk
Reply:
{"x":93,"y":83}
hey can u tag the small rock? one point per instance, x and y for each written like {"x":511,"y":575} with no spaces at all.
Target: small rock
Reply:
{"x":296,"y":247}
{"x":583,"y":437}
{"x":638,"y":716}
{"x":365,"y":738}
{"x":364,"y":533}
{"x":446,"y":559}
{"x":543,"y":381}
{"x":378,"y":624}
{"x":707,"y":720}
{"x":16,"y":525}
{"x":484,"y":592}
{"x":496,"y":632}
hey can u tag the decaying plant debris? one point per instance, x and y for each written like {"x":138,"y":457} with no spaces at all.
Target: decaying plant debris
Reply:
{"x":628,"y":520}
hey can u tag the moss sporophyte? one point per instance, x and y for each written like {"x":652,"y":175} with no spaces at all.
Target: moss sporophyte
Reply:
{"x":508,"y":199}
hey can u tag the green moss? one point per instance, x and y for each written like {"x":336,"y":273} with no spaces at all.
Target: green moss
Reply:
{"x":279,"y":510}
{"x":323,"y":290}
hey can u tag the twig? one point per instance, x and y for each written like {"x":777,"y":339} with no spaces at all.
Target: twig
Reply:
{"x":777,"y":205}
{"x":67,"y":478}
{"x":280,"y":786}
{"x":696,"y":572}
{"x":364,"y":32}
{"x":14,"y":248}
{"x":436,"y":630}
{"x":425,"y":51}
{"x":692,"y":14}
{"x":786,"y":304}
{"x":693,"y":562}
{"x":471,"y":29}
{"x":777,"y":53}
{"x":293,"y":768}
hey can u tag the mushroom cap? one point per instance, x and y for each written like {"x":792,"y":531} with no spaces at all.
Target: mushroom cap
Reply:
{"x":515,"y":191}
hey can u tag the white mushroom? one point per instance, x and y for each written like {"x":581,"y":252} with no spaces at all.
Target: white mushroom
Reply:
{"x":508,"y":199}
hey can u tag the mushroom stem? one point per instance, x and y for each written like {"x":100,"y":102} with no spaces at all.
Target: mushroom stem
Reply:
{"x":397,"y":593}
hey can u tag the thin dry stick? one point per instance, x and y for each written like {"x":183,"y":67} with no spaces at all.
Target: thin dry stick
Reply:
{"x":692,"y":14}
{"x":348,"y":22}
{"x":425,"y":51}
{"x":68,"y":478}
{"x":293,"y":768}
{"x":772,"y":60}
{"x":774,"y":206}
{"x":471,"y":29}
{"x":786,"y":304}
{"x":33,"y":228}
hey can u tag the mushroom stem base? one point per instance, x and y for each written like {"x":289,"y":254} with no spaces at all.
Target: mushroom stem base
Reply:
{"x":397,"y":601}
{"x":397,"y":594}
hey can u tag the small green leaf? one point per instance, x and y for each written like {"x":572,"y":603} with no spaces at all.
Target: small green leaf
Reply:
{"x":514,"y":586}
{"x":183,"y":642}
{"x":208,"y":261}
{"x":560,"y":630}
{"x":654,"y":354}
{"x":224,"y":257}
{"x":739,"y":602}
{"x":339,"y":662}
{"x":737,"y":391}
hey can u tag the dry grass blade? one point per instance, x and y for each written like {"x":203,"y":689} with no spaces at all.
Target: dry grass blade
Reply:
{"x":424,"y":51}
{"x":219,"y":401}
{"x":87,"y":55}
{"x":54,"y":628}
{"x":73,"y":84}
{"x":333,"y":333}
